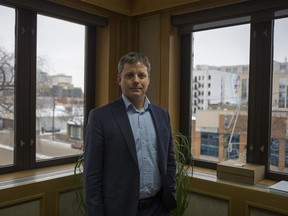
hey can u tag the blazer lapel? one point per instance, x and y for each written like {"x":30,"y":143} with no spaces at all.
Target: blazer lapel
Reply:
{"x":120,"y":114}
{"x":160,"y":146}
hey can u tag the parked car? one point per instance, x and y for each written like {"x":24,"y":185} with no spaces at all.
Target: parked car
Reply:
{"x":50,"y":129}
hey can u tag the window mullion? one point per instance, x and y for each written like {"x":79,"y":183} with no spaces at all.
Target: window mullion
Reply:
{"x":266,"y":91}
{"x":32,"y":90}
{"x":185,"y":80}
{"x":23,"y":70}
{"x":259,"y":86}
{"x":90,"y":68}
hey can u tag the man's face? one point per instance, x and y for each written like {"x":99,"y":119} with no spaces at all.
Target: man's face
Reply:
{"x":134,"y":81}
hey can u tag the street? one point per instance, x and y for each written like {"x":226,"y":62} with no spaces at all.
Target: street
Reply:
{"x":46,"y":148}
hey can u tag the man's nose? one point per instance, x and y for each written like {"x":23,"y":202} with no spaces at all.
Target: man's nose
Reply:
{"x":136,"y":78}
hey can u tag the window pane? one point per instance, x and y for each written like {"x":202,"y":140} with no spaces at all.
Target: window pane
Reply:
{"x":279,"y":122}
{"x":220,"y":78}
{"x":60,"y":85}
{"x":7,"y":45}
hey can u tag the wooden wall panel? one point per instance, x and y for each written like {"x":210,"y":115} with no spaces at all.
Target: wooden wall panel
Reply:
{"x":25,"y":206}
{"x":68,"y":204}
{"x":253,"y":211}
{"x":119,"y":6}
{"x":244,"y":200}
{"x":200,"y":204}
{"x":136,"y":7}
{"x":148,"y":37}
{"x":55,"y":196}
{"x":40,"y":195}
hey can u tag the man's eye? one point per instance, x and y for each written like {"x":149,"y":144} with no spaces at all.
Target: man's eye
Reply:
{"x":142,"y":76}
{"x":130,"y":75}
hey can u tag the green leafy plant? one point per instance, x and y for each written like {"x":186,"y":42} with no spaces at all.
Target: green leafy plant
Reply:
{"x":184,"y":161}
{"x":78,"y":177}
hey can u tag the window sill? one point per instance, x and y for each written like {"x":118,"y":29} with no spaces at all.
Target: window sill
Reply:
{"x":14,"y":179}
{"x":37,"y":175}
{"x":211,"y":175}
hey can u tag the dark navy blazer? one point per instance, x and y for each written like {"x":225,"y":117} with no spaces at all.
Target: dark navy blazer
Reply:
{"x":111,"y":173}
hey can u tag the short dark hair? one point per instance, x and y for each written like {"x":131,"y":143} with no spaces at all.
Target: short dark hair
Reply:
{"x":133,"y":58}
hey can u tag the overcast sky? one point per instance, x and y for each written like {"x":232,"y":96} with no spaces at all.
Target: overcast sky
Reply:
{"x":61,"y":43}
{"x":224,"y":46}
{"x":230,"y":45}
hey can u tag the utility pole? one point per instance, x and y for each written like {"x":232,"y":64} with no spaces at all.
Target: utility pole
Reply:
{"x":53,"y":119}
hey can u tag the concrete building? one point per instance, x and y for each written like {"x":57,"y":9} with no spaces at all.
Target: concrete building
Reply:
{"x":220,"y":113}
{"x":217,"y":85}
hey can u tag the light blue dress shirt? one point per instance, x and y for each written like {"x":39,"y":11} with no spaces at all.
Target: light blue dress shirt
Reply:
{"x":146,"y":147}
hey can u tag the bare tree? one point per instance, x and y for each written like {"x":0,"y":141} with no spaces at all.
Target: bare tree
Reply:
{"x":6,"y":83}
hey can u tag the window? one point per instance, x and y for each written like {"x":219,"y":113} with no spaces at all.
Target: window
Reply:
{"x":209,"y":145}
{"x":279,"y":111}
{"x":223,"y":67}
{"x":244,"y":50}
{"x":234,"y":147}
{"x":244,"y":90}
{"x":286,"y":154}
{"x":282,"y":96}
{"x":46,"y":91}
{"x":7,"y":85}
{"x":274,"y":154}
{"x":59,"y":87}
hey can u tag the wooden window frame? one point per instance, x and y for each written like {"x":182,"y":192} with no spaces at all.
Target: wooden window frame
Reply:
{"x":25,"y":73}
{"x":260,"y":15}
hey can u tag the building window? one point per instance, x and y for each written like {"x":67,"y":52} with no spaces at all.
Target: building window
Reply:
{"x":286,"y":153}
{"x":233,"y":142}
{"x":244,"y":91}
{"x":274,"y":153}
{"x":283,"y":67}
{"x":282,"y":92}
{"x":209,"y":145}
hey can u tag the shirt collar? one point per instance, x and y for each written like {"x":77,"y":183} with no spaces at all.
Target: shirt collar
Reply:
{"x":128,"y":103}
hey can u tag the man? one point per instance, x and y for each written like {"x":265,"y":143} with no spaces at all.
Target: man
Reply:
{"x":129,"y":167}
